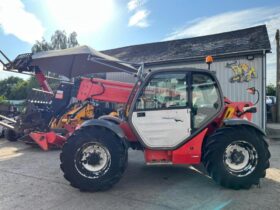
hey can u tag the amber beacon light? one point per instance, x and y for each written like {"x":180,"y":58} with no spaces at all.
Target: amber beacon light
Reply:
{"x":209,"y":60}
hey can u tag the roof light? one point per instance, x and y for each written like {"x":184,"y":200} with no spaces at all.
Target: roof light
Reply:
{"x":209,"y":59}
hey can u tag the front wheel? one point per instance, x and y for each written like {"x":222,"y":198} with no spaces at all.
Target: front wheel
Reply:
{"x":236,"y":157}
{"x":93,"y":159}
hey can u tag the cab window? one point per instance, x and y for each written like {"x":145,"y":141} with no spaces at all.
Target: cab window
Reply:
{"x":206,"y":101}
{"x":164,"y":91}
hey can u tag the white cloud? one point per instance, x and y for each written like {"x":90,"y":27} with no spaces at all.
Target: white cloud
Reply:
{"x":140,"y":16}
{"x":139,"y":19}
{"x":15,"y":20}
{"x":227,"y":22}
{"x":134,"y":4}
{"x":83,"y":16}
{"x":232,"y":21}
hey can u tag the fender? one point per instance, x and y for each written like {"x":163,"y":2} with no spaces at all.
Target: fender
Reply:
{"x":113,"y":119}
{"x":233,"y":122}
{"x":107,"y":124}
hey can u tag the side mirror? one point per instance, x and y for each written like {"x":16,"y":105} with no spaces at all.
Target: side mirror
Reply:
{"x":251,"y":90}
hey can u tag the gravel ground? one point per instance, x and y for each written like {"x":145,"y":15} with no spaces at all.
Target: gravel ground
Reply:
{"x":31,"y":179}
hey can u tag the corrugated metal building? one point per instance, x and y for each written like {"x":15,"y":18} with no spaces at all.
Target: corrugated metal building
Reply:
{"x":239,"y":61}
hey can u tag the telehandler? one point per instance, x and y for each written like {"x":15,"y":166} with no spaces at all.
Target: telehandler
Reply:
{"x":175,"y":116}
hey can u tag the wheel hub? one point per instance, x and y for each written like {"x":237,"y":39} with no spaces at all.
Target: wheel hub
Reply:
{"x":240,"y":158}
{"x":92,"y":160}
{"x":237,"y":157}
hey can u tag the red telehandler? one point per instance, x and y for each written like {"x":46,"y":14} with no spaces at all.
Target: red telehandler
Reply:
{"x":175,"y":116}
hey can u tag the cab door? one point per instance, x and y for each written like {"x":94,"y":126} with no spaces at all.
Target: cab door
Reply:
{"x":161,"y":114}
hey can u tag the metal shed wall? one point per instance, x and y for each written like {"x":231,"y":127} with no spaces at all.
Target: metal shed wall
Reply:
{"x":120,"y":76}
{"x":234,"y":91}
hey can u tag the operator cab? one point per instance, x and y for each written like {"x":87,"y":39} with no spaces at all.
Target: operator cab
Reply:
{"x":173,"y":105}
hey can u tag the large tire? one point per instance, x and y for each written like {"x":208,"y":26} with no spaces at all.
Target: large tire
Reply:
{"x":236,"y":157}
{"x":2,"y":132}
{"x":98,"y":170}
{"x":10,"y":135}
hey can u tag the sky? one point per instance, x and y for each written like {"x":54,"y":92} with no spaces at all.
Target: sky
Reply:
{"x":108,"y":24}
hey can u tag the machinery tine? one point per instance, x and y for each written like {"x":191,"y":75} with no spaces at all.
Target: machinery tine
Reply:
{"x":7,"y":118}
{"x":7,"y":125}
{"x":3,"y":54}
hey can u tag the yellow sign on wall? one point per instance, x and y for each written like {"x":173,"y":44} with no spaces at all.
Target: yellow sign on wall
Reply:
{"x":242,"y":72}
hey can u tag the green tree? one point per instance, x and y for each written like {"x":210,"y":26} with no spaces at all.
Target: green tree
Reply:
{"x":59,"y":40}
{"x":15,"y":88}
{"x":41,"y":46}
{"x":7,"y":85}
{"x":3,"y":100}
{"x":19,"y":91}
{"x":32,"y":83}
{"x":271,"y":90}
{"x":72,"y":40}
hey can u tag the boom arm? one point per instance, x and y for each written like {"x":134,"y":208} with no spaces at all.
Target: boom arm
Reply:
{"x":104,"y":90}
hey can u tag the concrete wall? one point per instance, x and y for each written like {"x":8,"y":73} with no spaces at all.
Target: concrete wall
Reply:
{"x":235,"y":91}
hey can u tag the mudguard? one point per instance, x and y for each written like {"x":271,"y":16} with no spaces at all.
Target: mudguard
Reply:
{"x":113,"y":119}
{"x":232,"y":122}
{"x":107,"y":124}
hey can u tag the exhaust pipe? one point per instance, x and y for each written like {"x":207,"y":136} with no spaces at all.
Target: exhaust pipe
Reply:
{"x":8,"y":119}
{"x":7,"y":125}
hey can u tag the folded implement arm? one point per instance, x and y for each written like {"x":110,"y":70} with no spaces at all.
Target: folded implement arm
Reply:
{"x":59,"y":120}
{"x":22,"y":64}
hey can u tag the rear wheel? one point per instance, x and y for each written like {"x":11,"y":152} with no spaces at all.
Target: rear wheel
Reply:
{"x":10,"y":135}
{"x":236,"y":157}
{"x":93,"y":159}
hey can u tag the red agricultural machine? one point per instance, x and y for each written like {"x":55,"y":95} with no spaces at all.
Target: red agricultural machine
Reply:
{"x":51,"y":116}
{"x":175,"y":116}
